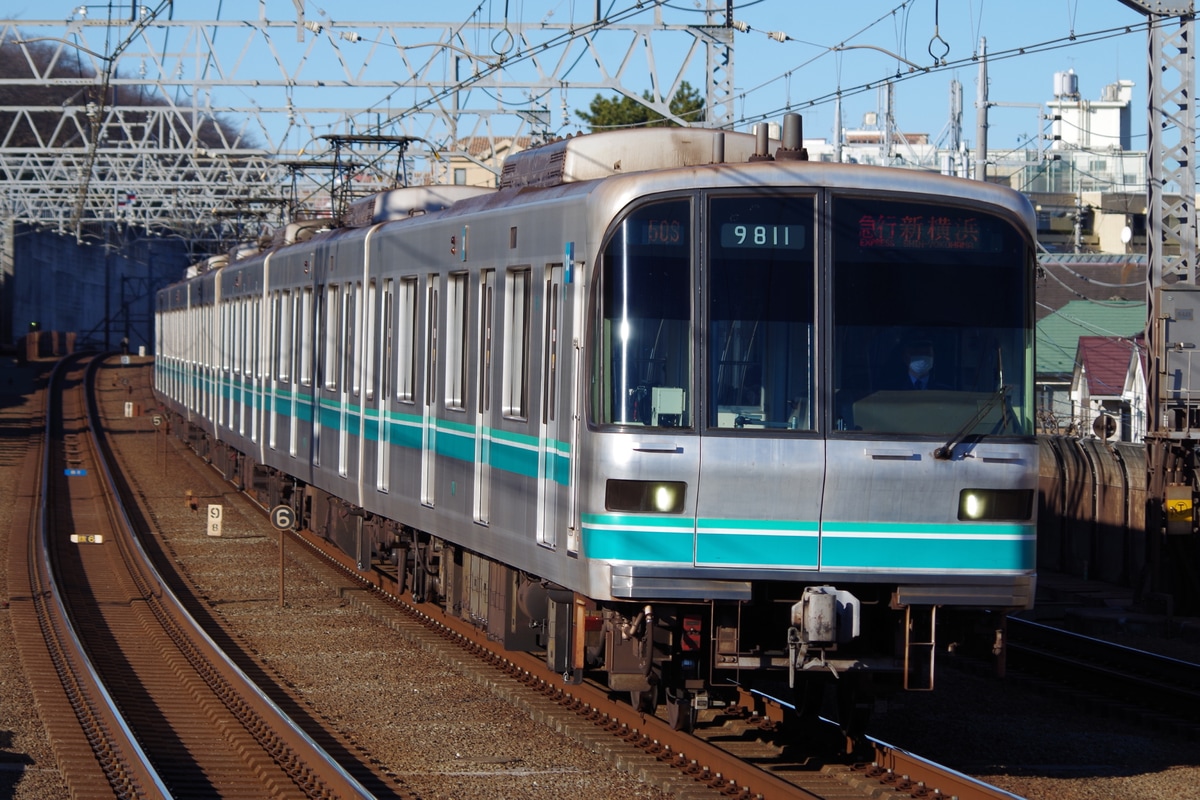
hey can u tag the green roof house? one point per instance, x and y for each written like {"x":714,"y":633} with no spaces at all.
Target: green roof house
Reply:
{"x":1057,"y":337}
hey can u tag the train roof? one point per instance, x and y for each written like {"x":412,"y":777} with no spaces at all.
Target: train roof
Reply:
{"x":299,"y":231}
{"x":618,"y":190}
{"x":608,"y":153}
{"x":630,"y":163}
{"x":409,"y":201}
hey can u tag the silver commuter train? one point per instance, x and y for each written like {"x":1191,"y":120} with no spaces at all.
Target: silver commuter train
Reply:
{"x":648,"y":407}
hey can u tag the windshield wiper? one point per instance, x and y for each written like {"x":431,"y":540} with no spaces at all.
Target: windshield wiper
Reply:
{"x":946,"y":451}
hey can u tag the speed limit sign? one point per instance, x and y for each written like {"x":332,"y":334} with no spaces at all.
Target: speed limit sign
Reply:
{"x":283,"y":517}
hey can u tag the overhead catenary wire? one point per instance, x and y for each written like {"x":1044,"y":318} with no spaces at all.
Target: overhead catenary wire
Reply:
{"x":1049,"y":45}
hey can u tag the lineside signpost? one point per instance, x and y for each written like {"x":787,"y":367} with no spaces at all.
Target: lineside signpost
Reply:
{"x":283,"y":518}
{"x":216,"y":513}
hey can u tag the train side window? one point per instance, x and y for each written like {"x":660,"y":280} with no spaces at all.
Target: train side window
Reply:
{"x":306,"y":336}
{"x":433,"y":307}
{"x":331,"y":313}
{"x":385,"y":345}
{"x":221,"y":359}
{"x":369,"y":338}
{"x":352,"y":338}
{"x":283,"y":335}
{"x":518,"y":292}
{"x":643,"y":369}
{"x":234,"y":366}
{"x":486,"y":316}
{"x":406,"y":341}
{"x":254,"y":338}
{"x":226,"y":315}
{"x":245,"y":333}
{"x":239,"y":336}
{"x":550,"y":333}
{"x":456,"y":341}
{"x":254,"y":319}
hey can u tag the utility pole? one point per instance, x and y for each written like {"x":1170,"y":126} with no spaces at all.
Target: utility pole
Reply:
{"x":981,"y":115}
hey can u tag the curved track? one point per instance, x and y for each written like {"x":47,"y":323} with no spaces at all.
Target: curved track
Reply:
{"x":745,"y":759}
{"x":163,"y":712}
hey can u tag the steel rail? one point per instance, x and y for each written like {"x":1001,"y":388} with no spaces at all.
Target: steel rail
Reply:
{"x":123,"y":762}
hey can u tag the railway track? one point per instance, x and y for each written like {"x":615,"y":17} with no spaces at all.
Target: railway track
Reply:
{"x":746,"y":755}
{"x":1160,"y":689}
{"x":738,"y":752}
{"x":136,"y":699}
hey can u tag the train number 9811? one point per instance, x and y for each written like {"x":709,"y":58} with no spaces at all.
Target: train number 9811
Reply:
{"x":740,"y":234}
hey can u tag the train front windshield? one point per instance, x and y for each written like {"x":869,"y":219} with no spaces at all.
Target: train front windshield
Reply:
{"x":928,"y":325}
{"x":931,"y":320}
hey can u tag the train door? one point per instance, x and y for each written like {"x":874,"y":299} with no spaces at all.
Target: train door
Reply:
{"x":429,"y":394}
{"x":350,"y":380}
{"x":271,"y":379}
{"x":212,"y":362}
{"x":552,"y":465}
{"x":328,"y":369}
{"x":255,"y":368}
{"x":281,"y":404}
{"x":228,"y":358}
{"x":241,"y":364}
{"x":213,"y":319}
{"x":285,"y":411}
{"x":483,"y":401}
{"x":196,"y":356}
{"x":383,"y":464}
{"x":241,"y":383}
{"x":762,"y":463}
{"x":408,"y":398}
{"x":370,"y":412}
{"x":304,"y":363}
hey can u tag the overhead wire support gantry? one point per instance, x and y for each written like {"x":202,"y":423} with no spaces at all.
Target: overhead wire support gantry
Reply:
{"x":380,"y":148}
{"x":200,"y":109}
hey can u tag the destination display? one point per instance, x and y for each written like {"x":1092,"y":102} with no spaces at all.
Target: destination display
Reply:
{"x":935,"y":231}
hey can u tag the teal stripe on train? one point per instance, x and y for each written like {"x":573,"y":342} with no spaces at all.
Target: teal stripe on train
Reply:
{"x":952,"y":547}
{"x":632,"y":537}
{"x":844,"y":546}
{"x":718,"y":542}
{"x":756,"y":543}
{"x":511,"y":452}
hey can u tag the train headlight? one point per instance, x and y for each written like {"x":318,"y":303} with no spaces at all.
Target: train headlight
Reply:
{"x":659,"y":497}
{"x":995,"y":504}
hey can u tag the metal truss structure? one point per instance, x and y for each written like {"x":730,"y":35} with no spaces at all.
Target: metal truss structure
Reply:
{"x":198,"y":127}
{"x":1173,"y":436}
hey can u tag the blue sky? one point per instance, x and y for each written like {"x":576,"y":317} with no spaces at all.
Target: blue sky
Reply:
{"x":805,"y":68}
{"x":952,"y":30}
{"x":925,"y":43}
